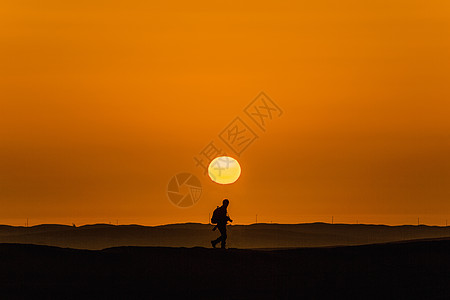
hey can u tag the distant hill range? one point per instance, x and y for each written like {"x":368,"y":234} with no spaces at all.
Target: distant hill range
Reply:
{"x":101,"y":236}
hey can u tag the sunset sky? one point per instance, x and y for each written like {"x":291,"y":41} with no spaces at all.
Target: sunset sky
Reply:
{"x":102,"y":102}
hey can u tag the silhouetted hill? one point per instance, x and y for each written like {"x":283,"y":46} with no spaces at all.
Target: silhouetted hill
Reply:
{"x":402,"y":270}
{"x":100,"y":236}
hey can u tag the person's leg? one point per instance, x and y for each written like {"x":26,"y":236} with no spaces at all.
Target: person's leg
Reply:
{"x":216,"y":241}
{"x":223,"y":237}
{"x":219,"y":239}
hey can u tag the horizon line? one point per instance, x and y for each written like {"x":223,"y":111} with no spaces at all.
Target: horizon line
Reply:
{"x":73,"y":225}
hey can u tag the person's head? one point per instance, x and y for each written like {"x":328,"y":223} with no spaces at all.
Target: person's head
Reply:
{"x":225,"y":202}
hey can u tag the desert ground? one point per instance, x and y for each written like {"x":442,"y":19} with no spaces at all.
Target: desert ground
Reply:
{"x":407,"y":269}
{"x":101,"y":236}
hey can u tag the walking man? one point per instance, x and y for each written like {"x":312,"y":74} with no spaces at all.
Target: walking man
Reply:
{"x":221,"y":218}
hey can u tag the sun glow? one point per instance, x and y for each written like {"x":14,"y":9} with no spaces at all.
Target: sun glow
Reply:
{"x":224,"y":170}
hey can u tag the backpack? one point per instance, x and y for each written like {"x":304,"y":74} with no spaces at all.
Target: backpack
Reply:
{"x":216,"y":216}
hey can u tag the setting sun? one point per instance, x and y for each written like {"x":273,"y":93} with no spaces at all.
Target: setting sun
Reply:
{"x":224,"y":170}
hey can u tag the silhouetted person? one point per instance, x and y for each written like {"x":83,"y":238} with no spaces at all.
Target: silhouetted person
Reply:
{"x":221,"y":218}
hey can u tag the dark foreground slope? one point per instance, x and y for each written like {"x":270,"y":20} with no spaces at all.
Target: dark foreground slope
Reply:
{"x":100,"y":236}
{"x":405,"y":270}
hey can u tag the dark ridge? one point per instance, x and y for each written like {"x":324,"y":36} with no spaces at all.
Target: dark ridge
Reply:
{"x":395,"y":270}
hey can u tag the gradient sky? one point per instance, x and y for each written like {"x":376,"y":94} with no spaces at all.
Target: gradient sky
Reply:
{"x":102,"y":102}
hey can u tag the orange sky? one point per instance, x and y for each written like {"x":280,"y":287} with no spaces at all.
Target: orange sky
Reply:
{"x":102,"y":102}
